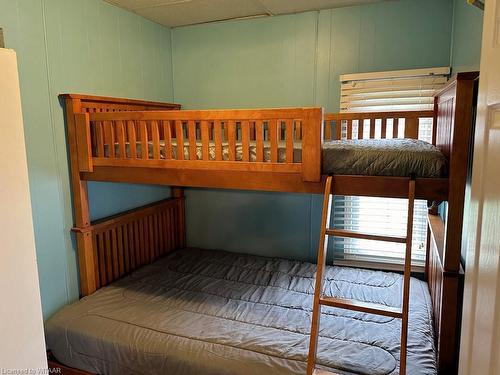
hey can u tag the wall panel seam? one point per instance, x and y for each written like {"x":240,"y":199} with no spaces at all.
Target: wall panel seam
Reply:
{"x":66,"y":236}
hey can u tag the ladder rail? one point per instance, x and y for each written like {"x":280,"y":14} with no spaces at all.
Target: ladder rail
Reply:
{"x":318,"y":287}
{"x":319,"y":299}
{"x":406,"y":279}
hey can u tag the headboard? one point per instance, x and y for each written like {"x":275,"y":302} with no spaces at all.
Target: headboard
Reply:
{"x":454,"y":111}
{"x":91,"y":103}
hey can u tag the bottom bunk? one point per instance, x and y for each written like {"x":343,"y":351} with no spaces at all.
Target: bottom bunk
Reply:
{"x":213,"y":312}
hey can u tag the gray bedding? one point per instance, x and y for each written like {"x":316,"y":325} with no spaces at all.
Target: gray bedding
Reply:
{"x":383,"y":157}
{"x":213,"y":312}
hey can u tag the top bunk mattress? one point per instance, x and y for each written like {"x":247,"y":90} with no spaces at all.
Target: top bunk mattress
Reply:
{"x":383,"y":157}
{"x":217,"y":313}
{"x":369,"y":157}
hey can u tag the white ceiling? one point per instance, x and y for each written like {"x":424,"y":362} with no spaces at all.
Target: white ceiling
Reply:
{"x":188,"y":12}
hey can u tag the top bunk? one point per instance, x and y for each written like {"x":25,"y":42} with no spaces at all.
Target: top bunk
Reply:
{"x":282,"y":149}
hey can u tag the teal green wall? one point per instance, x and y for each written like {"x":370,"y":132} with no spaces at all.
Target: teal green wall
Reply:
{"x":92,"y":47}
{"x":466,"y":37}
{"x":289,"y":61}
{"x":85,"y":47}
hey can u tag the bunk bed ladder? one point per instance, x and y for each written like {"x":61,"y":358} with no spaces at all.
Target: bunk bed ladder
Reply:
{"x":371,"y":308}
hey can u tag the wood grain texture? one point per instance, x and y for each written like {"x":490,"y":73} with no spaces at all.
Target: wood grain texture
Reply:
{"x":265,"y":122}
{"x":364,"y":236}
{"x":351,"y":304}
{"x":454,"y":111}
{"x":124,"y":242}
{"x":406,"y":279}
{"x":446,"y":290}
{"x":319,"y":279}
{"x":366,"y":307}
{"x":268,"y":180}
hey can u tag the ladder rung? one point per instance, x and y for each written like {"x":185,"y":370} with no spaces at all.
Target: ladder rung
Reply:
{"x":364,"y":236}
{"x":366,"y":307}
{"x":318,"y":371}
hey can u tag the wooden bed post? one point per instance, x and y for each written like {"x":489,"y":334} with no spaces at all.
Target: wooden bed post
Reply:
{"x":312,"y":139}
{"x":454,"y":111}
{"x":80,"y":206}
{"x":178,"y":192}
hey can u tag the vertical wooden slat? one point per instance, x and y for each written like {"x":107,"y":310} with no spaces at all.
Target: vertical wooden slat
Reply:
{"x":109,"y":265}
{"x":205,"y":141}
{"x":173,"y":228}
{"x":109,"y":138}
{"x":338,"y":129}
{"x":132,"y":139}
{"x":151,"y":236}
{"x":159,"y":234}
{"x":95,"y":247}
{"x":395,"y":128}
{"x":411,"y":128}
{"x":383,"y":129}
{"x":155,"y":137}
{"x":102,"y":259}
{"x":192,"y":140}
{"x":179,"y":137}
{"x":120,"y":246}
{"x":166,"y":225}
{"x":245,"y":140}
{"x":349,"y":129}
{"x":144,"y":140}
{"x":133,"y":245}
{"x":298,"y":129}
{"x":167,"y":138}
{"x":156,"y":235}
{"x":170,"y":229}
{"x":231,"y":139}
{"x":372,"y":123}
{"x":218,"y":140}
{"x":259,"y":141}
{"x":144,"y":241}
{"x":273,"y":139}
{"x":161,"y":248}
{"x":114,"y":248}
{"x":100,"y":139}
{"x":289,"y":140}
{"x":252,"y":131}
{"x":145,"y":234}
{"x":138,"y":241}
{"x":328,"y":130}
{"x":126,"y":249}
{"x":120,"y":135}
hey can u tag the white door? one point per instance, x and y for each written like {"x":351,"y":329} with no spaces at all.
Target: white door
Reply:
{"x":21,"y":329}
{"x":480,"y":346}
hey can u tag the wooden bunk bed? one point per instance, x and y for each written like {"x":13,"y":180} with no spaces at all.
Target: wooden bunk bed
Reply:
{"x":121,"y":140}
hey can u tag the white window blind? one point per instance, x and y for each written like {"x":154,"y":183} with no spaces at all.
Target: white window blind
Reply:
{"x":384,"y":92}
{"x":400,"y":90}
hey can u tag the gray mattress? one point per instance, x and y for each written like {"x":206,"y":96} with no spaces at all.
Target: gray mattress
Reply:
{"x":383,"y":157}
{"x":213,"y":312}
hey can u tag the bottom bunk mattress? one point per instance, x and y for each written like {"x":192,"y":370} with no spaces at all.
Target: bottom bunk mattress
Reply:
{"x":213,"y":312}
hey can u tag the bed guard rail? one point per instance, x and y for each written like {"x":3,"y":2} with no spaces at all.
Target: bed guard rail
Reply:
{"x":380,"y":125}
{"x":285,"y":140}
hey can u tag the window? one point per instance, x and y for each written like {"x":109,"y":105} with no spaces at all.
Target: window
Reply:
{"x":379,"y":92}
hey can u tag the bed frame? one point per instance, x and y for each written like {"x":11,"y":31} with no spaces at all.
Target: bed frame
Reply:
{"x":113,"y":247}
